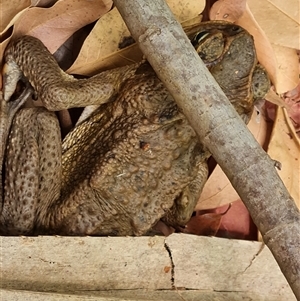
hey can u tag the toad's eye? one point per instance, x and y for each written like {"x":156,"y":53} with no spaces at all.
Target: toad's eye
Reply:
{"x":199,"y":37}
{"x":235,"y":28}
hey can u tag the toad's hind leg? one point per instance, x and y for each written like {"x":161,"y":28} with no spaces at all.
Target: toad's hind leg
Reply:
{"x":32,"y":171}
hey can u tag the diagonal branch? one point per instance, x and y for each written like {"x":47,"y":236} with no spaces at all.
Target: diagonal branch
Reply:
{"x":220,"y":129}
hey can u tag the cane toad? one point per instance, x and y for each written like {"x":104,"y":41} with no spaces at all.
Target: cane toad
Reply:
{"x":134,"y":161}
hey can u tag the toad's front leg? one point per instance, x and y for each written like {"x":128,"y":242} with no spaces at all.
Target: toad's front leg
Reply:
{"x":56,"y":89}
{"x":32,"y":171}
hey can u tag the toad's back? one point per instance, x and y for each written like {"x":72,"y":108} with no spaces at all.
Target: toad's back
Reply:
{"x":137,"y":155}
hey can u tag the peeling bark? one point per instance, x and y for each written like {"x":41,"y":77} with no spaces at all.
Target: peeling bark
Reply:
{"x":248,"y":167}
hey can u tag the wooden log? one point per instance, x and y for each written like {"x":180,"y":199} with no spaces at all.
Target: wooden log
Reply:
{"x":85,"y":263}
{"x":209,"y":263}
{"x":89,"y":266}
{"x":134,"y":295}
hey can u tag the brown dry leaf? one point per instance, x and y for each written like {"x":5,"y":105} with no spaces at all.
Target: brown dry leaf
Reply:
{"x":103,"y":40}
{"x":292,"y":98}
{"x":288,"y":70}
{"x":284,"y":147}
{"x":294,"y":95}
{"x":9,"y":9}
{"x":276,"y":99}
{"x":12,"y":13}
{"x":100,"y":50}
{"x":205,"y":224}
{"x":290,"y":8}
{"x":130,"y":54}
{"x":236,"y":223}
{"x":218,"y":190}
{"x":161,"y":227}
{"x":186,"y":9}
{"x":2,"y":48}
{"x":229,"y":10}
{"x":120,"y":58}
{"x":56,"y":24}
{"x":281,"y":28}
{"x":264,"y":50}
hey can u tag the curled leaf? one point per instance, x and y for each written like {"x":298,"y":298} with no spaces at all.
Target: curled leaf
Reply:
{"x":285,"y":147}
{"x":264,"y":50}
{"x":56,"y":24}
{"x":206,"y":224}
{"x":276,"y":99}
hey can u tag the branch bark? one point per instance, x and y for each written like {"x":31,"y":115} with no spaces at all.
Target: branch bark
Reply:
{"x":248,"y":167}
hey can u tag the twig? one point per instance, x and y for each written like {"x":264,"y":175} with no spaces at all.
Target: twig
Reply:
{"x":248,"y":167}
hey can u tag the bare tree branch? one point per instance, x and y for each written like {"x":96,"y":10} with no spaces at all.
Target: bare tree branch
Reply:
{"x":220,"y":129}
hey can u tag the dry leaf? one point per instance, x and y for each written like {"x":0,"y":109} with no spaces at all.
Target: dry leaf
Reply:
{"x":294,"y":94}
{"x":10,"y":8}
{"x":5,"y":38}
{"x":103,"y":40}
{"x":85,"y":65}
{"x":292,"y":98}
{"x":228,"y":10}
{"x":284,"y":147}
{"x":264,"y":50}
{"x":186,"y":9}
{"x":3,"y":45}
{"x":101,"y":51}
{"x":161,"y":228}
{"x":290,"y":8}
{"x":120,"y":58}
{"x":10,"y":13}
{"x":56,"y":24}
{"x":236,"y":223}
{"x":218,"y":190}
{"x":206,"y":224}
{"x":288,"y":69}
{"x":276,"y":99}
{"x":7,"y":32}
{"x":279,"y":27}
